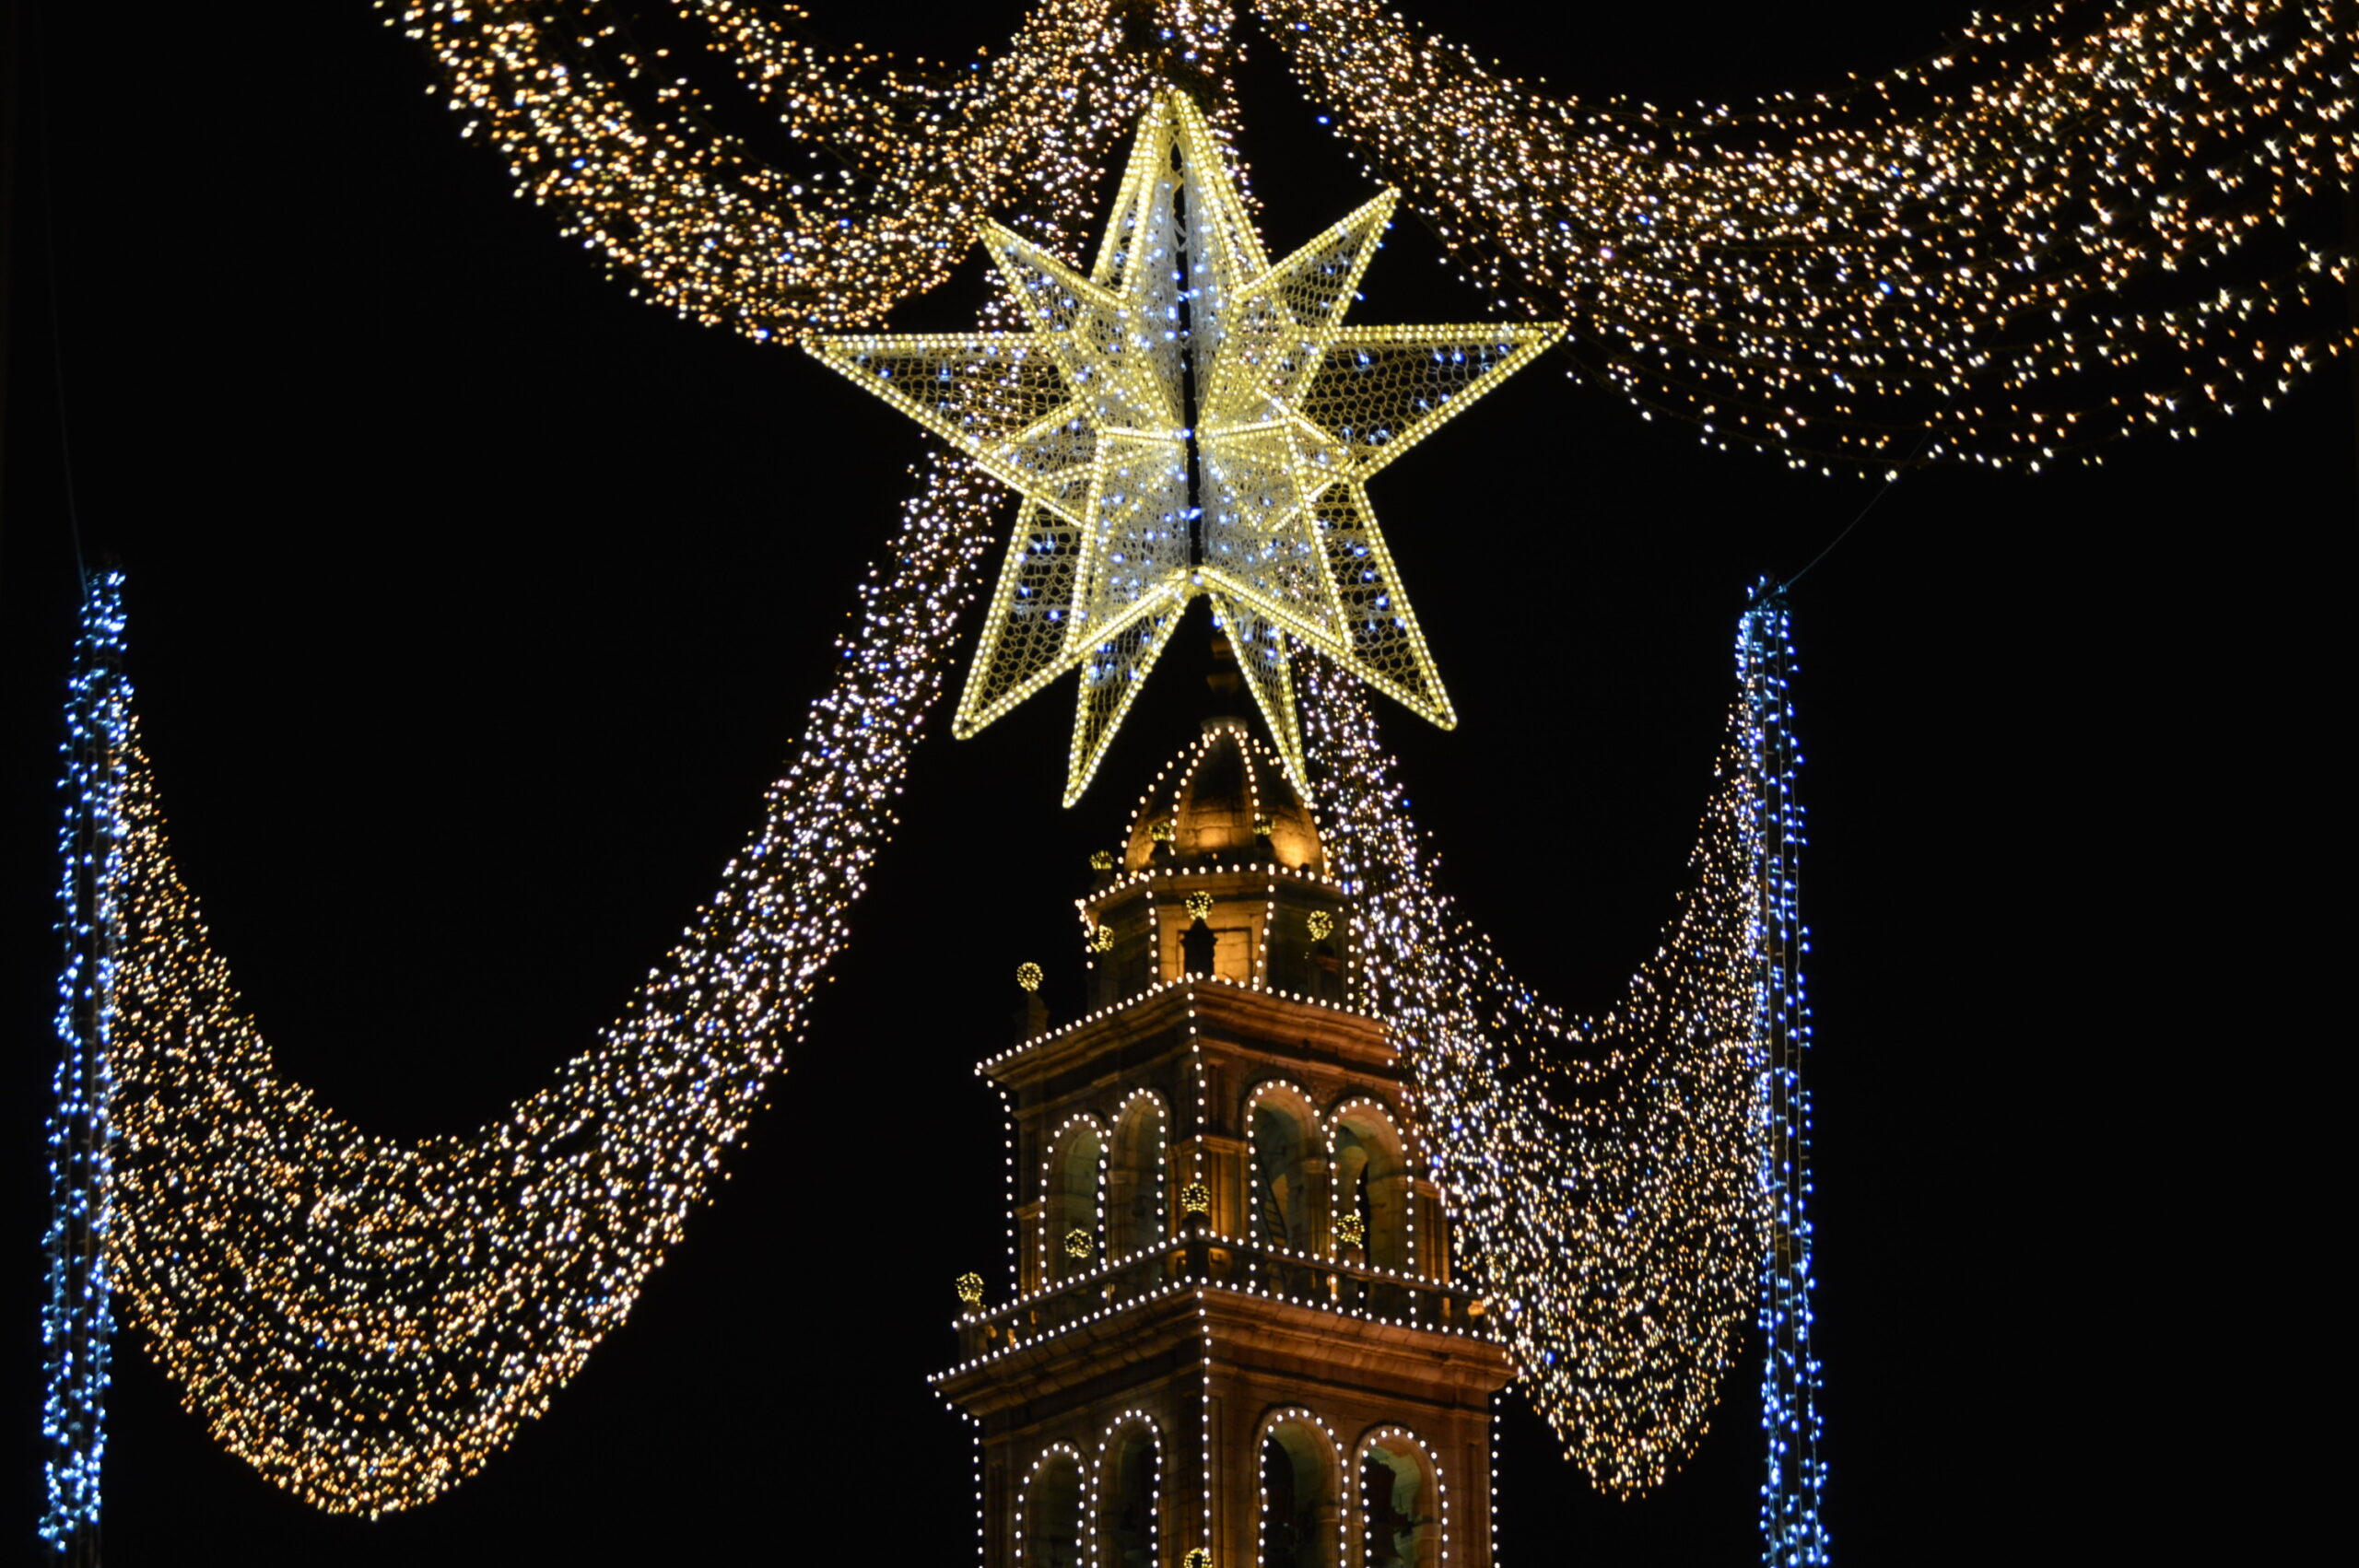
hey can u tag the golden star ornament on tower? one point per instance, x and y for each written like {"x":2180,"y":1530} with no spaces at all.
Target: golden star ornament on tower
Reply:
{"x":1190,"y":418}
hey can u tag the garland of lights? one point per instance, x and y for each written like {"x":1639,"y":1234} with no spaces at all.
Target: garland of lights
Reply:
{"x":1596,"y":1171}
{"x":364,"y":1320}
{"x":1966,"y":258}
{"x":78,"y":1318}
{"x":1604,"y":1177}
{"x":890,"y":164}
{"x":2067,"y":225}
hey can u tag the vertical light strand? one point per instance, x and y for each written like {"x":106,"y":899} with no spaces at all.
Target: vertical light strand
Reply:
{"x":1792,"y":1534}
{"x":77,"y":1321}
{"x":1601,"y":1177}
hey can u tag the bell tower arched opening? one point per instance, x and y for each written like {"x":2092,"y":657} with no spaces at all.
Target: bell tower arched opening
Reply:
{"x":1136,"y":1190}
{"x":1284,"y":1133}
{"x":1300,"y":1522}
{"x":1049,"y":1530}
{"x":1070,"y":1232}
{"x":1371,"y":1181}
{"x":1400,"y":1506}
{"x":1132,"y":1491}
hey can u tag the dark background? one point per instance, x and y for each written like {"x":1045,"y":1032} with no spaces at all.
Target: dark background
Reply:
{"x":472,"y":606}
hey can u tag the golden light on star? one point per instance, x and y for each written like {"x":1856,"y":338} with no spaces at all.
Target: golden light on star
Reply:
{"x":1189,"y":418}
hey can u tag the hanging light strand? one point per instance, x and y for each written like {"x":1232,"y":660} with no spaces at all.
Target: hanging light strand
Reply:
{"x":366,"y":1320}
{"x":884,"y":168}
{"x":2066,"y":226}
{"x":1604,"y":1177}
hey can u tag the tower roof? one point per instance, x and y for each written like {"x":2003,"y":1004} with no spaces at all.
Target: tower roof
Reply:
{"x":1212,"y":793}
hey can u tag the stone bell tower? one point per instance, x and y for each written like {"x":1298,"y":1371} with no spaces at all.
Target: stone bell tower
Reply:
{"x":1235,"y":1339}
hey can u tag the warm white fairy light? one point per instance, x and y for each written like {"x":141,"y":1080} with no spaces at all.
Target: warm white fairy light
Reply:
{"x":1330,"y":1468}
{"x":1059,"y":1226}
{"x":1353,"y":1149}
{"x":1402,"y":1443}
{"x":891,"y":161}
{"x":1030,"y":1507}
{"x":1350,"y":1116}
{"x":2068,"y":225}
{"x":1124,"y":1422}
{"x":1601,"y":1177}
{"x":366,"y":1320}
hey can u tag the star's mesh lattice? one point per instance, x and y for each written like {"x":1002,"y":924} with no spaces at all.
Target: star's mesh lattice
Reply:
{"x":1190,"y":418}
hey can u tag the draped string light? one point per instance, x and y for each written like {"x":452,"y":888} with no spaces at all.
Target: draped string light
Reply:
{"x":1604,"y":1177}
{"x":78,"y":1315}
{"x":887,"y":164}
{"x":366,"y":1320}
{"x":2063,"y":227}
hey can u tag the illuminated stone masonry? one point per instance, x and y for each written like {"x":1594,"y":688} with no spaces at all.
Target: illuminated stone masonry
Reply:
{"x":1237,"y":1326}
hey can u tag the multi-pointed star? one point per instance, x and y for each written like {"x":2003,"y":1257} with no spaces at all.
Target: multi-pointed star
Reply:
{"x":1190,"y":419}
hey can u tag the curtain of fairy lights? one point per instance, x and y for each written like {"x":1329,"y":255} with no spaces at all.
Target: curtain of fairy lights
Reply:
{"x":1792,"y":1532}
{"x":880,"y":167}
{"x":2067,"y":224}
{"x":1624,"y":1185}
{"x":77,"y":1321}
{"x":365,"y":1320}
{"x":1603,"y":1176}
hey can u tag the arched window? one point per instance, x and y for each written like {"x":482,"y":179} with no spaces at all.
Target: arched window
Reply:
{"x":1299,"y":1514}
{"x":1134,"y":1198}
{"x":1283,"y":1142}
{"x":1049,"y":1528}
{"x":1131,"y":1487}
{"x":1370,"y":1178}
{"x":1071,"y":1233}
{"x":1401,"y":1523}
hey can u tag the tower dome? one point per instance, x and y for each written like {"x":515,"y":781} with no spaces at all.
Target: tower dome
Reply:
{"x":1213,"y":798}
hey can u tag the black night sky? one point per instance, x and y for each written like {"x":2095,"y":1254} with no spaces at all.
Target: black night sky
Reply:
{"x":473,"y":605}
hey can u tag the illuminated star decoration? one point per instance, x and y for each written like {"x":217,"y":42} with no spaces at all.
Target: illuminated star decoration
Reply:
{"x":1189,"y":419}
